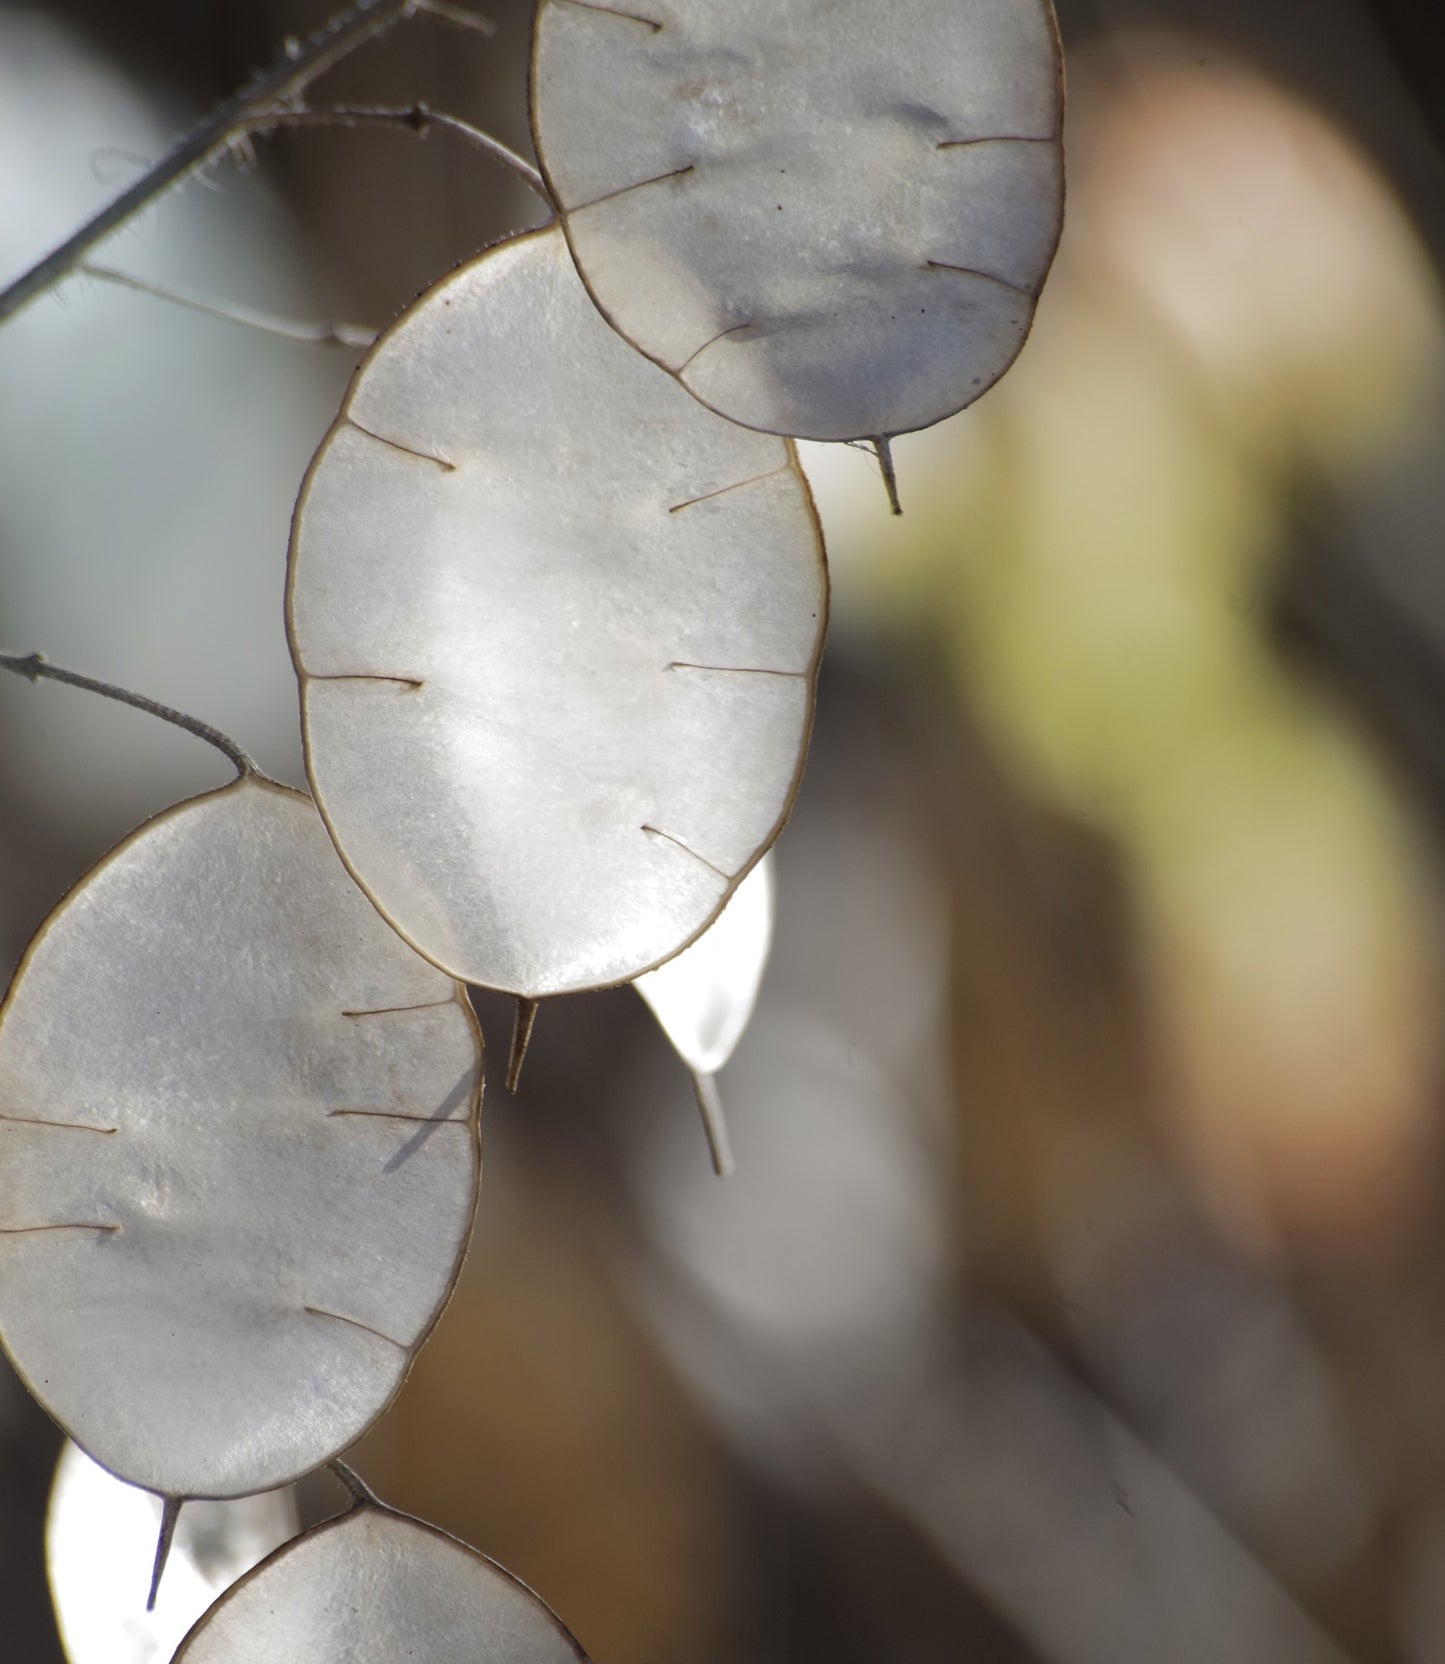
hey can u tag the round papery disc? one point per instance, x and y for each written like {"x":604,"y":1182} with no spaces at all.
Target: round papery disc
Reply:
{"x":238,"y":1154}
{"x":374,"y":1587}
{"x":704,"y":997}
{"x":827,"y":218}
{"x":557,"y":628}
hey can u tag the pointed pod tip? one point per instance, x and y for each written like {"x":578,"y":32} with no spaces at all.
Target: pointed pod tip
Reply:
{"x":883,"y":446}
{"x":714,"y":1123}
{"x":170,"y":1514}
{"x":521,"y":1039}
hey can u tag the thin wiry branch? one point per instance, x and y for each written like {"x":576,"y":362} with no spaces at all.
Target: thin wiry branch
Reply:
{"x":290,"y":329}
{"x":420,"y":119}
{"x":34,"y":666}
{"x":301,"y":63}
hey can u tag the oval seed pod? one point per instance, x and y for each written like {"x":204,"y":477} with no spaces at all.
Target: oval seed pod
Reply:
{"x":827,"y":218}
{"x":373,"y":1587}
{"x":238,"y":1151}
{"x":704,"y":997}
{"x":100,"y":1534}
{"x":557,"y":629}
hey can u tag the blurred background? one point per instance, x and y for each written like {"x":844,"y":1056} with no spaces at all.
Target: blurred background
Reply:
{"x":1081,"y":1293}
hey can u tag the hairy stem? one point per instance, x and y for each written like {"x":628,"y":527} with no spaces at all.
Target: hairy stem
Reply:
{"x":34,"y":666}
{"x":352,"y":1480}
{"x":301,"y":63}
{"x":419,"y":118}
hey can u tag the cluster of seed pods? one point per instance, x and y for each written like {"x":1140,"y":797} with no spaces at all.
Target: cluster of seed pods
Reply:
{"x":556,"y":602}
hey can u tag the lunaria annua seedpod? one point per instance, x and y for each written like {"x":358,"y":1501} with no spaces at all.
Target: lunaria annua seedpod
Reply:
{"x":238,"y":1151}
{"x":376,"y":1587}
{"x":557,"y":628}
{"x":826,"y":218}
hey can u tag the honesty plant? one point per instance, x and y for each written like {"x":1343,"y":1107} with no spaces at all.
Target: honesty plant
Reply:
{"x":556,"y":625}
{"x":238,"y":1151}
{"x":829,"y":218}
{"x":374,"y":1587}
{"x":581,"y":625}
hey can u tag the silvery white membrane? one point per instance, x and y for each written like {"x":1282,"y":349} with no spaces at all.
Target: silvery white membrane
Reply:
{"x":827,"y":218}
{"x":704,"y":996}
{"x":375,"y":1587}
{"x":238,"y":1152}
{"x":557,"y":628}
{"x":100,"y":1538}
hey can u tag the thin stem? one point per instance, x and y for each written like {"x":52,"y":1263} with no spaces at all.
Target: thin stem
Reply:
{"x":458,"y":16}
{"x":290,"y":329}
{"x":352,"y":1480}
{"x":170,"y":1515}
{"x":417,"y":118}
{"x":714,"y":1123}
{"x":521,"y":1039}
{"x":890,"y":479}
{"x":301,"y":63}
{"x":34,"y":666}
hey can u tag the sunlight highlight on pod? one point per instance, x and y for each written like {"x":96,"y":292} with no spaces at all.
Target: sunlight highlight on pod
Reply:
{"x":238,"y":1151}
{"x":375,"y":1587}
{"x":704,"y":997}
{"x":826,"y":219}
{"x":100,"y":1534}
{"x":557,"y":628}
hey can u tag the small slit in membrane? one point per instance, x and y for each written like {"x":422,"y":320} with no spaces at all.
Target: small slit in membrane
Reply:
{"x":988,"y":277}
{"x":722,"y":490}
{"x":712,"y":341}
{"x":392,"y":1010}
{"x":616,"y":11}
{"x":398,"y":1115}
{"x":31,"y":1230}
{"x":687,"y":849}
{"x":736,"y":669}
{"x":413,"y":684}
{"x":998,"y":138}
{"x":355,"y":1323}
{"x":406,"y":450}
{"x":68,"y":1126}
{"x":622,"y":190}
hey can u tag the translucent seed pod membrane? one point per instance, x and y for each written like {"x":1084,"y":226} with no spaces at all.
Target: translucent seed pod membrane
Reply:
{"x":376,"y":1587}
{"x":827,"y":218}
{"x":238,"y":1151}
{"x":704,"y":997}
{"x":100,"y":1543}
{"x":557,"y":628}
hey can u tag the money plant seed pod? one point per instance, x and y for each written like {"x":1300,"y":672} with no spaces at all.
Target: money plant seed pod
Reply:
{"x":238,"y":1151}
{"x":826,"y":218}
{"x":376,"y":1587}
{"x":557,"y":628}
